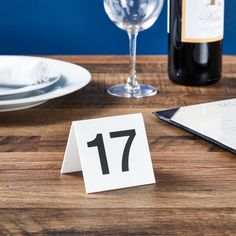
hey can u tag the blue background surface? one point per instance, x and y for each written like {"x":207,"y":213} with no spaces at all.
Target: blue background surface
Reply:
{"x":82,"y":27}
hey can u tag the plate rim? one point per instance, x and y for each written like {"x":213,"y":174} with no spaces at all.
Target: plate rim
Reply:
{"x":35,"y":87}
{"x":44,"y":97}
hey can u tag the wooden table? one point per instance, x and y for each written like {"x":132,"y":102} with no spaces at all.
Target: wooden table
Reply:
{"x":196,"y":189}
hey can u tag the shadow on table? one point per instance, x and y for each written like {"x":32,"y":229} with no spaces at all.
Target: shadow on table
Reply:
{"x":81,"y":104}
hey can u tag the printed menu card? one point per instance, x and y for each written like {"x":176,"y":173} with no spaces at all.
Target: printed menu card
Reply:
{"x":215,"y":121}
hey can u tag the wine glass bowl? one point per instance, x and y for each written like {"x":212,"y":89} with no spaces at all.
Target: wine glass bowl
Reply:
{"x":133,"y":16}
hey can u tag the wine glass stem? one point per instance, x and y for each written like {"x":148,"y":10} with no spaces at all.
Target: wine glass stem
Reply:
{"x":132,"y":83}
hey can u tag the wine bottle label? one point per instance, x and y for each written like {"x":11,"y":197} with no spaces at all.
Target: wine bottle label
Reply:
{"x":202,"y":20}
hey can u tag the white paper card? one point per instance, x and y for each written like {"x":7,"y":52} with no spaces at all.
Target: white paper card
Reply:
{"x":112,"y":152}
{"x":216,"y":120}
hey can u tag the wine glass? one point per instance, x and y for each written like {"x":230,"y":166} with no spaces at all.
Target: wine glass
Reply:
{"x":133,"y":16}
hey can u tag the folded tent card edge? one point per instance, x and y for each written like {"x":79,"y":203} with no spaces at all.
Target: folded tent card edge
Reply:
{"x":71,"y":161}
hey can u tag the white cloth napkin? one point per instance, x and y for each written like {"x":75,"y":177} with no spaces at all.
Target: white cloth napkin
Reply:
{"x":19,"y":72}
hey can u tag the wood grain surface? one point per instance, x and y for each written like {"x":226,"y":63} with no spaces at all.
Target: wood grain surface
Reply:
{"x":196,"y":189}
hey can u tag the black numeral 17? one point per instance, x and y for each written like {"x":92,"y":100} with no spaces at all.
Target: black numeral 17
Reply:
{"x":99,"y":143}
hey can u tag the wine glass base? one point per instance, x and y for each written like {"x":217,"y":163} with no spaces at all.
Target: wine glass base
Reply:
{"x":122,"y":91}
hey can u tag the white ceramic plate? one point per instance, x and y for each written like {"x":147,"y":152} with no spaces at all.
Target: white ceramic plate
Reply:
{"x":73,"y":78}
{"x":25,"y":89}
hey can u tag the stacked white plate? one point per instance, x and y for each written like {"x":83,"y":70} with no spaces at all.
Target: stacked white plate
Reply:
{"x":70,"y":78}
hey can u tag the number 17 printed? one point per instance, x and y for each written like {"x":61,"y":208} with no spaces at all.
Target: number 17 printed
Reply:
{"x":99,"y":143}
